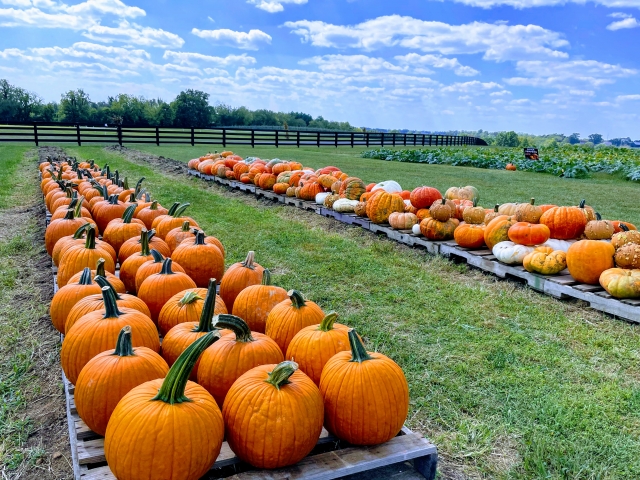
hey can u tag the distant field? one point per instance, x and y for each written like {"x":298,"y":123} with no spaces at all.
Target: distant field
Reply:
{"x":611,"y":195}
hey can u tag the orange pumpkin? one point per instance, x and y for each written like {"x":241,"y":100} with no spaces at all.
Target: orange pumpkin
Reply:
{"x":254,"y":303}
{"x":200,"y":260}
{"x":382,"y":204}
{"x":497,"y":230}
{"x":238,"y":277}
{"x":565,"y":223}
{"x":469,"y":235}
{"x":587,"y":259}
{"x":524,"y":233}
{"x":66,"y":297}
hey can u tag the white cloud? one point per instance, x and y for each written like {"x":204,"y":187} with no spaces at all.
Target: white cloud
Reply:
{"x":498,"y":41}
{"x":501,"y":93}
{"x":521,"y":4}
{"x":474,"y":87}
{"x":192,"y":58}
{"x":438,"y":62}
{"x":273,"y":6}
{"x":243,"y":40}
{"x":625,"y":98}
{"x":582,"y":93}
{"x":567,"y":74}
{"x":104,"y":7}
{"x":352,"y":63}
{"x":628,"y":22}
{"x":132,"y":33}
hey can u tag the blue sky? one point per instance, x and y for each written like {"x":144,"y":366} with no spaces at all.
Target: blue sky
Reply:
{"x":538,"y":66}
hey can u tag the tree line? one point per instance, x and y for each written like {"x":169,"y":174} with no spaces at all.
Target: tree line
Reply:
{"x":190,"y":108}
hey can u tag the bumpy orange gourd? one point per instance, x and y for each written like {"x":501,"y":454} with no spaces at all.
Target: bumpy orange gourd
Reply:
{"x":233,"y":355}
{"x":200,"y":260}
{"x":587,"y":259}
{"x":179,"y":420}
{"x":110,"y":375}
{"x":382,"y":204}
{"x":313,"y":346}
{"x":528,"y":212}
{"x":545,"y":260}
{"x":254,"y":303}
{"x":625,"y":236}
{"x":435,"y":230}
{"x":366,"y":396}
{"x":599,"y":229}
{"x":238,"y":277}
{"x":621,"y":283}
{"x":628,"y":256}
{"x":290,"y":316}
{"x":97,"y":331}
{"x":273,"y":401}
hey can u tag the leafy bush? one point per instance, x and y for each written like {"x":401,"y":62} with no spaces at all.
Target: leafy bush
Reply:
{"x":569,"y":161}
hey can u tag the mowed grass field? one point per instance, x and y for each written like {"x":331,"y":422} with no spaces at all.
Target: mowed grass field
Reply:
{"x":612,"y":196}
{"x":506,"y":382}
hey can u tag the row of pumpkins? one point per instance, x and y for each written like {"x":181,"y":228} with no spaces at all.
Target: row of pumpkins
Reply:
{"x":225,"y":369}
{"x":545,"y":239}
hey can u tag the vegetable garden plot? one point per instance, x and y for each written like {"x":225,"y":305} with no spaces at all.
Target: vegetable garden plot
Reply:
{"x":325,"y":456}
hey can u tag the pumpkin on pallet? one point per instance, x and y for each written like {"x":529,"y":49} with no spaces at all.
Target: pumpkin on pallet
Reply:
{"x":474,"y":214}
{"x":497,"y":230}
{"x":528,"y":212}
{"x":382,"y":204}
{"x":599,"y":229}
{"x":625,"y":236}
{"x":545,"y":261}
{"x":628,"y":256}
{"x":352,"y":188}
{"x":423,"y":197}
{"x":77,"y":257}
{"x":621,"y":282}
{"x":587,"y":259}
{"x":66,"y":297}
{"x":201,"y":260}
{"x":402,"y":221}
{"x":511,"y":253}
{"x":524,"y":233}
{"x":238,"y":277}
{"x":469,"y":235}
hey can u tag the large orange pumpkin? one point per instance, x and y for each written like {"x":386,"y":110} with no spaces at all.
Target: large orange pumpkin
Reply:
{"x":352,"y":188}
{"x":353,"y":384}
{"x":565,"y":223}
{"x":469,"y":235}
{"x":382,"y":204}
{"x":436,"y":230}
{"x":110,"y":375}
{"x":77,"y":257}
{"x":200,"y":260}
{"x":273,"y":401}
{"x":238,"y":277}
{"x":524,"y":233}
{"x":423,"y":197}
{"x":497,"y":230}
{"x":179,"y":420}
{"x":254,"y":303}
{"x":66,"y":297}
{"x":587,"y":259}
{"x":122,"y":229}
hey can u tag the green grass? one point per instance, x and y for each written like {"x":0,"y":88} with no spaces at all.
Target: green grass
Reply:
{"x":10,"y":158}
{"x":506,"y":382}
{"x":612,"y":196}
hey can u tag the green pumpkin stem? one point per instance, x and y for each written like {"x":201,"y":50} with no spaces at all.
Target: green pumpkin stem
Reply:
{"x":144,"y":243}
{"x":598,"y":216}
{"x":189,"y":297}
{"x":152,"y":233}
{"x":77,"y":212}
{"x":623,"y":227}
{"x":533,"y":201}
{"x":173,"y":208}
{"x":138,"y":185}
{"x":297,"y":300}
{"x":358,"y":352}
{"x":199,"y":240}
{"x":132,"y":197}
{"x":327,"y":322}
{"x":103,"y":282}
{"x":495,"y":209}
{"x":166,"y":267}
{"x":235,"y":324}
{"x":110,"y":303}
{"x":100,"y":268}
{"x":206,"y":317}
{"x":123,"y":345}
{"x":180,"y":210}
{"x":281,"y":373}
{"x":582,"y":203}
{"x":266,"y":277}
{"x":90,"y":242}
{"x":248,"y":262}
{"x":174,"y":384}
{"x":127,"y":216}
{"x":70,"y":215}
{"x":81,"y":231}
{"x":157,"y":256}
{"x":113,"y":199}
{"x":85,"y":278}
{"x":154,"y":205}
{"x":185,"y":226}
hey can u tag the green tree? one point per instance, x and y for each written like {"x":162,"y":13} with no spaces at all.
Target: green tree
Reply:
{"x":75,"y":106}
{"x":17,"y":104}
{"x":595,"y":138}
{"x":507,"y":139}
{"x":191,"y":109}
{"x":574,"y":138}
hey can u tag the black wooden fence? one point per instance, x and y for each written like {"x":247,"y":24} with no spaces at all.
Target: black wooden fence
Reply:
{"x":40,"y":134}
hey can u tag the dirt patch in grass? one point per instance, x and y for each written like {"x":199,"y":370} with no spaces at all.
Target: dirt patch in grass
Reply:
{"x":33,"y":424}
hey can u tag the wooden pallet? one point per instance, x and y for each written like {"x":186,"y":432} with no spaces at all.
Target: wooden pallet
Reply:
{"x":561,"y":286}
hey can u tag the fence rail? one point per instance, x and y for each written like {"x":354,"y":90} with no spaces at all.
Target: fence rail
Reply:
{"x":40,"y":134}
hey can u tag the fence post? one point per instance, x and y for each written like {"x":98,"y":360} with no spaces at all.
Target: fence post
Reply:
{"x":352,"y":135}
{"x":253,"y":133}
{"x":78,"y":135}
{"x":298,"y":138}
{"x":119,"y":135}
{"x":276,"y":138}
{"x":157,"y":136}
{"x":382,"y":139}
{"x":35,"y":133}
{"x":224,"y":137}
{"x":423,"y":139}
{"x":367,"y":138}
{"x":336,"y":139}
{"x":318,"y":139}
{"x":415,"y":139}
{"x":404,"y":139}
{"x":393,"y":139}
{"x":192,"y":137}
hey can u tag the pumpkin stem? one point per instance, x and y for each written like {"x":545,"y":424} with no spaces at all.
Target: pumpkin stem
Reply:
{"x":598,"y":216}
{"x":144,"y":243}
{"x":81,"y":231}
{"x":113,"y":199}
{"x":123,"y":345}
{"x":533,"y":201}
{"x":103,"y":282}
{"x":77,"y":212}
{"x":127,"y":216}
{"x":582,"y":203}
{"x":327,"y":322}
{"x":444,"y":201}
{"x":189,"y":297}
{"x":495,"y":209}
{"x":90,"y":242}
{"x":157,"y":256}
{"x":248,"y":262}
{"x":110,"y":303}
{"x":266,"y":277}
{"x":70,"y":215}
{"x":206,"y":317}
{"x":154,"y":205}
{"x":152,"y":233}
{"x":85,"y":278}
{"x":623,"y":227}
{"x":132,"y":197}
{"x":280,"y":375}
{"x":172,"y":389}
{"x":235,"y":324}
{"x":172,"y":210}
{"x":166,"y":267}
{"x":185,"y":226}
{"x":199,"y":240}
{"x":297,"y":300}
{"x":180,"y":210}
{"x":138,"y":186}
{"x":358,"y":352}
{"x":100,"y":268}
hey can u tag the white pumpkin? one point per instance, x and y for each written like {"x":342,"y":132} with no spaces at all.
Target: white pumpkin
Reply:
{"x":388,"y":186}
{"x":321,"y":196}
{"x":416,"y":229}
{"x":344,"y":205}
{"x":562,"y":245}
{"x":511,"y":253}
